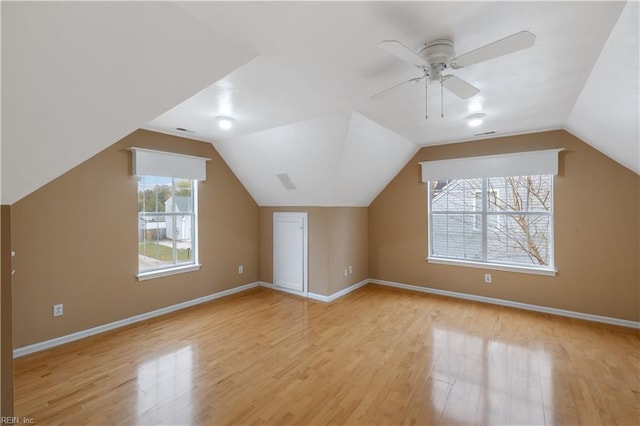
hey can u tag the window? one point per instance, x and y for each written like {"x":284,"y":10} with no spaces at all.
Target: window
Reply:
{"x":470,"y":221}
{"x":167,"y":222}
{"x":503,"y":222}
{"x":167,"y":211}
{"x":478,"y":207}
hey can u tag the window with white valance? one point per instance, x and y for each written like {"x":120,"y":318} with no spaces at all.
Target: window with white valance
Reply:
{"x":148,"y":162}
{"x":543,"y":162}
{"x":167,"y":211}
{"x":493,"y":211}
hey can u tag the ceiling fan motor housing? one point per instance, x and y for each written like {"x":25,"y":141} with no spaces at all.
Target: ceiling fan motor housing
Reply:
{"x":438,"y":54}
{"x":438,"y":51}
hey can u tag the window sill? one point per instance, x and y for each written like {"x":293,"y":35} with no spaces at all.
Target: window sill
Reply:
{"x":494,"y":266}
{"x":143,"y":276}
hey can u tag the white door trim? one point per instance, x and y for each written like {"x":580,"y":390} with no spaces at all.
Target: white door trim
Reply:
{"x":305,"y":249}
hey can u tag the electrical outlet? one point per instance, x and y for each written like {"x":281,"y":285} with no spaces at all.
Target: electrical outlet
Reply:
{"x":346,"y":272}
{"x":58,"y":310}
{"x":350,"y":269}
{"x":487,"y":278}
{"x":241,"y":269}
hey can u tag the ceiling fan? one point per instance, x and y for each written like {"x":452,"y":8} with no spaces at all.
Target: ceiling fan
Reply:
{"x":439,"y":55}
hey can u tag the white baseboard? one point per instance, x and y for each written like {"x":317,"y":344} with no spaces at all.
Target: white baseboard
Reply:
{"x":316,"y":296}
{"x":265,"y":284}
{"x":502,"y":302}
{"x":338,"y":294}
{"x":25,"y":350}
{"x":282,"y":289}
{"x":320,"y":297}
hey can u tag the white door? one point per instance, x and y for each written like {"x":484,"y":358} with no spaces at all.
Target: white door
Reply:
{"x":290,"y":252}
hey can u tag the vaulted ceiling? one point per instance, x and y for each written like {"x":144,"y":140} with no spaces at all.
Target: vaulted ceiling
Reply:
{"x":297,"y":78}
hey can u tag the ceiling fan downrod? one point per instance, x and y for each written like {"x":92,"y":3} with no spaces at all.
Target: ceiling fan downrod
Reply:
{"x":441,"y":98}
{"x":426,"y":98}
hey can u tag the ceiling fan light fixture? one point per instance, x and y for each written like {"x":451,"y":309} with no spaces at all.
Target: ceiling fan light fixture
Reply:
{"x":475,"y":119}
{"x":225,"y":123}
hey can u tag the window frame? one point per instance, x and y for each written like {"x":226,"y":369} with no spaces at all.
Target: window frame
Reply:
{"x":174,"y":268}
{"x":477,"y":195}
{"x":484,"y":264}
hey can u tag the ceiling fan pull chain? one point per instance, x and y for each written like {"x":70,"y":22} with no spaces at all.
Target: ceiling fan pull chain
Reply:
{"x":426,"y":98}
{"x":441,"y":99}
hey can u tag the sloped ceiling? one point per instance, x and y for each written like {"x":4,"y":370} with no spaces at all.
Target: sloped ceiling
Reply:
{"x":606,"y":114}
{"x":298,"y":79}
{"x":79,"y":76}
{"x":338,"y":160}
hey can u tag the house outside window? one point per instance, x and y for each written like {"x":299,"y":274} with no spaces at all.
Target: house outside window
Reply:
{"x":492,"y":196}
{"x":166,"y":218}
{"x":493,"y":222}
{"x":470,"y":221}
{"x":167,"y":187}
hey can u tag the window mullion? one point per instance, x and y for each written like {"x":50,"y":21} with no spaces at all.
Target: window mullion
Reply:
{"x":155,"y":194}
{"x":430,"y":221}
{"x":485,"y":207}
{"x":194,"y":221}
{"x":551,"y":215}
{"x":174,"y":218}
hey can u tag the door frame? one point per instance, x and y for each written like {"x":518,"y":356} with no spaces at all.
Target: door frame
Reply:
{"x":305,"y":252}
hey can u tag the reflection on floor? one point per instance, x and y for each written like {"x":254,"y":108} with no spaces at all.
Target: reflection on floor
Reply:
{"x":489,"y":378}
{"x":166,"y":382}
{"x":375,"y":356}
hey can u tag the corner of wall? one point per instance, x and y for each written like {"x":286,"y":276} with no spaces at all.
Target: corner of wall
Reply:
{"x":6,"y":325}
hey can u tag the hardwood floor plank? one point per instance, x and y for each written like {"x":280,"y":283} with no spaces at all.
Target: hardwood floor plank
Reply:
{"x":376,"y":356}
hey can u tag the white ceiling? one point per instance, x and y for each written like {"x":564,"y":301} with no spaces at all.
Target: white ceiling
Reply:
{"x":337,"y":160}
{"x":302,"y":105}
{"x":606,"y":114}
{"x":79,"y":76}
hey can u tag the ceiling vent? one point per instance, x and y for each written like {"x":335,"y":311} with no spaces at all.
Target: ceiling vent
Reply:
{"x":485,"y":133}
{"x":286,"y":181}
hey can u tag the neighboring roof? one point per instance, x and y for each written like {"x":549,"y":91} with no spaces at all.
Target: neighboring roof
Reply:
{"x":445,"y":187}
{"x":183,"y":203}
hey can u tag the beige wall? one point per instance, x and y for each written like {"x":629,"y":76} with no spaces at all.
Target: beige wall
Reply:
{"x":596,"y":232}
{"x":348,"y":246}
{"x":6,"y":332}
{"x":76,"y":239}
{"x":338,"y":237}
{"x":76,"y":243}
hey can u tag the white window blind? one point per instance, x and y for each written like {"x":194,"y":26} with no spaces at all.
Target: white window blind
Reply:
{"x":543,"y":162}
{"x":148,"y":162}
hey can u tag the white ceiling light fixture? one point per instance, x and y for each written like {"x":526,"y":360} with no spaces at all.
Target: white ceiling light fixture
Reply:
{"x":475,"y":119}
{"x":475,"y":104}
{"x":224,"y":123}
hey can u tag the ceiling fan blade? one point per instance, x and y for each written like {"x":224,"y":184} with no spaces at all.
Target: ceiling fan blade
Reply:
{"x":402,"y":52}
{"x":459,"y":87}
{"x":513,"y":43}
{"x":385,"y":91}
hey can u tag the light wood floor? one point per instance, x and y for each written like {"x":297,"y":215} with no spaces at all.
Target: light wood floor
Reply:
{"x":375,"y":356}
